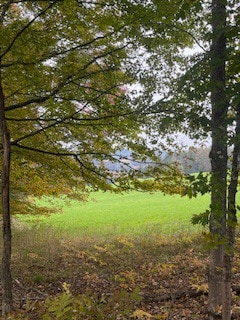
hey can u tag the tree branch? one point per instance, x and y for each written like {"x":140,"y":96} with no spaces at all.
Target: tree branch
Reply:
{"x":169,"y":25}
{"x":58,"y":154}
{"x":58,"y":53}
{"x":5,"y":9}
{"x":26,"y":27}
{"x":68,"y":80}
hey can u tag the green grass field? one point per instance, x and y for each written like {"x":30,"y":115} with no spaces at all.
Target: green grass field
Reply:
{"x":131,"y":213}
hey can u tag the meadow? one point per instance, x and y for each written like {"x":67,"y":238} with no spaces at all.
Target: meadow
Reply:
{"x":129,"y":256}
{"x":133,"y":213}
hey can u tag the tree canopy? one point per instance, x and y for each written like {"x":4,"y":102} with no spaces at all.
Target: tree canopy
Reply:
{"x":66,"y":106}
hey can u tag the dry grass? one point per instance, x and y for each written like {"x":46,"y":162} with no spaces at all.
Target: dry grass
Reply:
{"x":99,"y":268}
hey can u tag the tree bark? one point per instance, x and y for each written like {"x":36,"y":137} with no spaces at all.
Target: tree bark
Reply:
{"x":7,"y":300}
{"x":232,"y":212}
{"x":232,"y":189}
{"x":219,"y":294}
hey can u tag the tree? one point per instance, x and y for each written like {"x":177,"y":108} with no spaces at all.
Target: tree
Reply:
{"x":199,"y":96}
{"x":214,"y":72}
{"x":221,"y":220}
{"x":63,"y":106}
{"x":64,"y":109}
{"x":6,"y":226}
{"x":219,"y":292}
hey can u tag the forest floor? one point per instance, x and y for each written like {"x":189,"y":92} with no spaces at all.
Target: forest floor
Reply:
{"x":146,"y":278}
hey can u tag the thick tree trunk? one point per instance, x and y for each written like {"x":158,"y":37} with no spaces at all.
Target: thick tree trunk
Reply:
{"x":7,"y":301}
{"x":219,"y":293}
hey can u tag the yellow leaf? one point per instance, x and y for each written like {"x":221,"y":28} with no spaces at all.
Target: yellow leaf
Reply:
{"x":140,"y":314}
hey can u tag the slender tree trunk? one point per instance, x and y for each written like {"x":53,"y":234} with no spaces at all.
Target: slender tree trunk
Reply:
{"x":232,"y":190}
{"x":7,"y":301}
{"x":232,"y":213}
{"x":218,"y":292}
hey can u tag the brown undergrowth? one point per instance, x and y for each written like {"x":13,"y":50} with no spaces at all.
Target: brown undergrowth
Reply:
{"x":151,"y":277}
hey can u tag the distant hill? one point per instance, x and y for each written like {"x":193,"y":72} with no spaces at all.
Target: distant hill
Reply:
{"x":190,"y":161}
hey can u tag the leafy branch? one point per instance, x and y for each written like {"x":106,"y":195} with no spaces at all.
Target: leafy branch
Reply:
{"x":26,"y":27}
{"x":63,"y":83}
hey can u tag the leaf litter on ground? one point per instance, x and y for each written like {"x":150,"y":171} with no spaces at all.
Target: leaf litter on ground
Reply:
{"x":155,"y":277}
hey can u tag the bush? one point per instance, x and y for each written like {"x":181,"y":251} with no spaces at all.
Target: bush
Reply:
{"x":119,"y":305}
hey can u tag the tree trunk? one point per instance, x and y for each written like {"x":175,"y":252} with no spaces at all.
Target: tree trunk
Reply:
{"x":232,"y":190}
{"x":219,"y":293}
{"x":231,"y":210}
{"x":7,"y":301}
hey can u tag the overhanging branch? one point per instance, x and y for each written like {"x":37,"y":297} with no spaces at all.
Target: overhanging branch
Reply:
{"x":68,"y":80}
{"x":26,"y":27}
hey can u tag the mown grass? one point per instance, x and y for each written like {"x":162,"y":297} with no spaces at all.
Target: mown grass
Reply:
{"x":133,"y":213}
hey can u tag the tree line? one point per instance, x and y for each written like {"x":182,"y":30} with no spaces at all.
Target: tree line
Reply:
{"x":190,"y":161}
